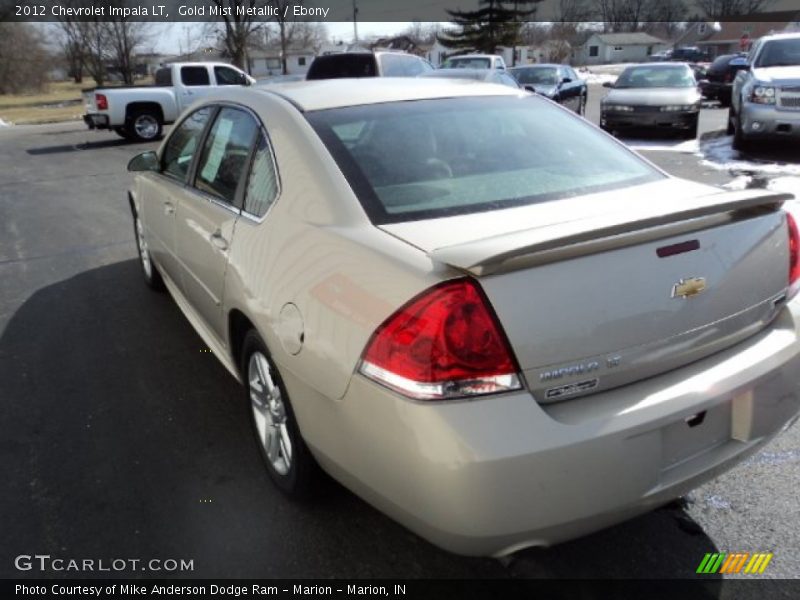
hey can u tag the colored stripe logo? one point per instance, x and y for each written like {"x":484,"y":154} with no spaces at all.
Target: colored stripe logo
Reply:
{"x":734,"y":562}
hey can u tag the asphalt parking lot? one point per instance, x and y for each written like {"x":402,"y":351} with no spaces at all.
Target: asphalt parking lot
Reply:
{"x":122,"y":438}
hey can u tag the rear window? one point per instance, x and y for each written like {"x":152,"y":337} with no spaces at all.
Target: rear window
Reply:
{"x":163,"y":76}
{"x":195,"y":76}
{"x":656,"y":77}
{"x":435,"y":158}
{"x":335,"y":66}
{"x":467,"y":63}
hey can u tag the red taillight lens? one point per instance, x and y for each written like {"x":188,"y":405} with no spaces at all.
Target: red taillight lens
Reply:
{"x":794,"y":256}
{"x":101,"y":101}
{"x":445,"y":343}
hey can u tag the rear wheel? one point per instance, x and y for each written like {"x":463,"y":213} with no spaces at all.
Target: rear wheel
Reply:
{"x":289,"y":462}
{"x":144,"y":126}
{"x":730,"y":128}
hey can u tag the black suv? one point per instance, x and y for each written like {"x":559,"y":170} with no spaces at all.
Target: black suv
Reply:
{"x":719,"y":77}
{"x":690,"y":54}
{"x":367,"y":64}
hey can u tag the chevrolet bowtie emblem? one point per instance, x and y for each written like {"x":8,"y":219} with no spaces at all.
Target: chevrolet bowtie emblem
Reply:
{"x":686,"y":288}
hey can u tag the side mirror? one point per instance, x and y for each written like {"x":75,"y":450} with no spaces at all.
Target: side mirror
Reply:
{"x":530,"y":88}
{"x":608,"y":84}
{"x":146,"y":161}
{"x":566,"y":80}
{"x":249,"y":80}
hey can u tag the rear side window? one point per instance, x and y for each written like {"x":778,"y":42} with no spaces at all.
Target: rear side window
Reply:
{"x":225,"y":154}
{"x":195,"y":76}
{"x":334,"y":66}
{"x":262,"y":184}
{"x":435,"y":158}
{"x":182,"y":144}
{"x":163,"y":76}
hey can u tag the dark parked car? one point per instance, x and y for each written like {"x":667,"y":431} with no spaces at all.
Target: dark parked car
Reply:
{"x":487,"y":75}
{"x":691,"y":54}
{"x":719,"y":78}
{"x":367,"y":64}
{"x":557,"y":82}
{"x":654,"y":95}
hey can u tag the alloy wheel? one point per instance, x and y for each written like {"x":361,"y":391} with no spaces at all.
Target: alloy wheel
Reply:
{"x":269,"y":413}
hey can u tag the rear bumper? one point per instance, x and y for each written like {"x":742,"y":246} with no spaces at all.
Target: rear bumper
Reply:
{"x":492,"y":476}
{"x":654,"y":120}
{"x":768,"y":122}
{"x":96,"y":121}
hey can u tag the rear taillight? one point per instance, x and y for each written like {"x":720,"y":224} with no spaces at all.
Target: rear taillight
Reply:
{"x":445,"y":343}
{"x":794,"y":256}
{"x":101,"y":101}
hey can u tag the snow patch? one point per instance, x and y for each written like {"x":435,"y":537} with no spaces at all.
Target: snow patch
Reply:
{"x":717,"y":152}
{"x":685,"y":147}
{"x":718,"y":502}
{"x":599,"y":78}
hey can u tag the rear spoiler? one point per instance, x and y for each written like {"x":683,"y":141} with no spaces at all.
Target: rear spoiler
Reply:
{"x":541,"y":245}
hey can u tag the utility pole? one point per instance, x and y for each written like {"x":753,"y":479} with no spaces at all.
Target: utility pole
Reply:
{"x":355,"y":22}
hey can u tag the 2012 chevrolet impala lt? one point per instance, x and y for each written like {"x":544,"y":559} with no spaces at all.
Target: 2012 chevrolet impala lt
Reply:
{"x":474,"y":309}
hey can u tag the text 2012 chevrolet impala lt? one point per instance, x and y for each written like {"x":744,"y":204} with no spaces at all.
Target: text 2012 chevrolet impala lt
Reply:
{"x":499,"y":338}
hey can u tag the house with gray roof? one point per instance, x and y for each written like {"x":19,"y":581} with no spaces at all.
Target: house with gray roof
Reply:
{"x":605,"y":48}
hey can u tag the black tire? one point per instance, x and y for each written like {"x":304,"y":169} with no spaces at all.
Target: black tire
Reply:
{"x":691,"y":133}
{"x":300,"y":476}
{"x":730,"y":128}
{"x":740,"y":144}
{"x":582,"y":105}
{"x":122,"y":132}
{"x":144,"y":126}
{"x":152,"y":277}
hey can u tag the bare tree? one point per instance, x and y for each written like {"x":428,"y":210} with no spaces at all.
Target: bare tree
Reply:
{"x":23,"y":59}
{"x":719,"y":9}
{"x":71,"y":34}
{"x":95,"y":45}
{"x":284,"y":26}
{"x":237,"y":27}
{"x":124,"y":37}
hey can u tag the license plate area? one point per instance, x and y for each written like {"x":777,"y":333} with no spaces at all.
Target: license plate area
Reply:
{"x":695,"y":434}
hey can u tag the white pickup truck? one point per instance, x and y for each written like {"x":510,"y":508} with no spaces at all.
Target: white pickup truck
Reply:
{"x":140,"y":112}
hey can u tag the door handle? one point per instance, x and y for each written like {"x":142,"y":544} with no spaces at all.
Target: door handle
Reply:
{"x":219,"y":241}
{"x":169,"y":208}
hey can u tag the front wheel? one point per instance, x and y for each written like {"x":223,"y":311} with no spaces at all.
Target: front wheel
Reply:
{"x":739,"y":142}
{"x":151,"y":275}
{"x":289,"y":462}
{"x":144,"y":126}
{"x":691,"y":132}
{"x":582,"y":105}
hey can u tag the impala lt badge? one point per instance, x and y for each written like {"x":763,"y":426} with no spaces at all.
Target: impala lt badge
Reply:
{"x":686,"y":288}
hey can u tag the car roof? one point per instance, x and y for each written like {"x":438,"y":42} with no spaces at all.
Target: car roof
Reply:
{"x":460,"y":73}
{"x":536,"y":66}
{"x":657,"y":65}
{"x":781,"y":36}
{"x":338,"y":93}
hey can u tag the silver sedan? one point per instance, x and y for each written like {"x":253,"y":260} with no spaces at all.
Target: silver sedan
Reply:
{"x":498,"y":338}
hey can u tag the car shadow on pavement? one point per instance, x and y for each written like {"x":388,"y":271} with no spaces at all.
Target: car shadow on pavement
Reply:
{"x":124,"y":437}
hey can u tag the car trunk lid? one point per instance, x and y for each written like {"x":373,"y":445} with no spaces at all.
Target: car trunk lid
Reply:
{"x":596,"y":298}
